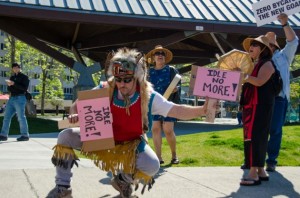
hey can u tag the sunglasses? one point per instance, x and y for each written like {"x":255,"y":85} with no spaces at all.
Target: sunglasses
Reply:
{"x":159,"y":53}
{"x":123,"y":68}
{"x":255,"y":44}
{"x":125,"y":80}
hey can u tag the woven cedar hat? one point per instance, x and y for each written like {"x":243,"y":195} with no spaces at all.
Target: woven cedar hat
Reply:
{"x":272,"y":38}
{"x":159,"y":48}
{"x":261,"y":39}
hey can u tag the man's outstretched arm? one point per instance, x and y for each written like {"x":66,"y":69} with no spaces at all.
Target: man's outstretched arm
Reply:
{"x":186,"y":112}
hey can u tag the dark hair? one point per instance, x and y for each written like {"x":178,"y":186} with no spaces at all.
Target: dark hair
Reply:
{"x":266,"y":53}
{"x":15,"y":65}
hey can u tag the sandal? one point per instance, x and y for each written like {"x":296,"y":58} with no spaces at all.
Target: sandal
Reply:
{"x":266,"y":178}
{"x":254,"y":182}
{"x":175,"y":161}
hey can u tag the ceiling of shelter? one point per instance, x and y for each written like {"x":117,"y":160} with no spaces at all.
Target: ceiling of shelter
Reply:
{"x":90,"y":29}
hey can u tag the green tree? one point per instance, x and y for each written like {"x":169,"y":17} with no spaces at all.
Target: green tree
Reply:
{"x":295,"y":84}
{"x":295,"y":93}
{"x":11,"y":42}
{"x":17,"y":51}
{"x":50,"y":87}
{"x":296,"y":63}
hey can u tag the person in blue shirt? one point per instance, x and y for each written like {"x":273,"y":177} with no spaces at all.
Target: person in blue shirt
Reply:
{"x":161,"y":75}
{"x":282,"y":59}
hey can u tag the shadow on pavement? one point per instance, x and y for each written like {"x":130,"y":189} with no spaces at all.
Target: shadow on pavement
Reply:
{"x":44,"y":135}
{"x":278,"y":186}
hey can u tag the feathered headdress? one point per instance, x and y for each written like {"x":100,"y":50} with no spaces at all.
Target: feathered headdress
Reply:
{"x":125,"y":62}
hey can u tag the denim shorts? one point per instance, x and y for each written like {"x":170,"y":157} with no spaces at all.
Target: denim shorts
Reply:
{"x":162,"y":118}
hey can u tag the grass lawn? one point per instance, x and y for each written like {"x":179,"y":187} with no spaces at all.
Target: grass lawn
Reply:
{"x":35,"y":125}
{"x":222,"y":148}
{"x":225,"y":148}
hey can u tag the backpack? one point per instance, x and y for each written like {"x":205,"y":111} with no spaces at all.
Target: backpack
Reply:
{"x":276,"y":81}
{"x":28,"y":95}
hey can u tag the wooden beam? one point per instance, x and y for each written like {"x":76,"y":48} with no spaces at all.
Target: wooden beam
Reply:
{"x":42,"y":31}
{"x":192,"y":54}
{"x":169,"y":40}
{"x":122,"y":36}
{"x":18,"y":32}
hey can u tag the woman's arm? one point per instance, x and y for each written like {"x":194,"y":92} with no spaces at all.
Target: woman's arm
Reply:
{"x":263,"y":76}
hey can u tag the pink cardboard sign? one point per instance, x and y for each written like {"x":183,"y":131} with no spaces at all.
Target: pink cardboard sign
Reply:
{"x":218,"y":84}
{"x":95,"y":119}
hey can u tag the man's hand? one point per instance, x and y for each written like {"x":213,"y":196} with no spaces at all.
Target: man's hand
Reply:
{"x":283,"y":18}
{"x":9,"y":82}
{"x":246,"y":77}
{"x":73,"y":118}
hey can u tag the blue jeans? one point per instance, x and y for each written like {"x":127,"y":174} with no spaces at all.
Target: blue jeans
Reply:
{"x":15,"y":105}
{"x":162,"y":118}
{"x":239,"y":117}
{"x":278,"y":120}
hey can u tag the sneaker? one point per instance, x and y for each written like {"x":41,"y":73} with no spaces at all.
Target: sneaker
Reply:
{"x":270,"y":168}
{"x":60,"y":192}
{"x":175,"y":161}
{"x":23,"y":138}
{"x":3,"y":138}
{"x":123,"y":187}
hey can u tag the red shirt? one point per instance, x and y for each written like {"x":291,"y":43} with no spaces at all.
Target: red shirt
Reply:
{"x":126,"y":127}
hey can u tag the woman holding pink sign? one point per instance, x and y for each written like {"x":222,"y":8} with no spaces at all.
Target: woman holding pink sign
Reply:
{"x":257,"y":100}
{"x":132,"y":103}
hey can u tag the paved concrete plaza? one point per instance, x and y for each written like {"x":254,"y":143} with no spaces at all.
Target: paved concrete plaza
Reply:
{"x":27,"y":172}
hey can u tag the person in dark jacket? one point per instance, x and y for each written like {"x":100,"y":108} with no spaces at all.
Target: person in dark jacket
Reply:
{"x":17,"y":86}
